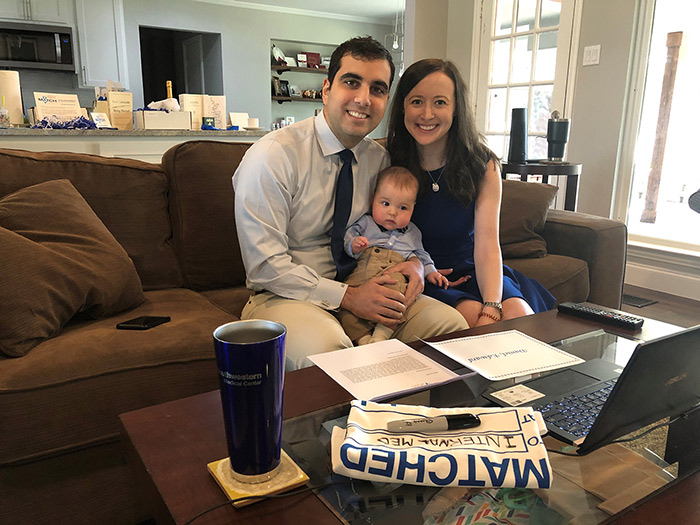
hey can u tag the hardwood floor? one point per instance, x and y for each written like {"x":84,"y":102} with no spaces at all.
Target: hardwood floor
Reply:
{"x":669,"y":308}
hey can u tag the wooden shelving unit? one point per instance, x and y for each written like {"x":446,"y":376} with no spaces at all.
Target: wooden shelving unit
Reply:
{"x":296,"y":99}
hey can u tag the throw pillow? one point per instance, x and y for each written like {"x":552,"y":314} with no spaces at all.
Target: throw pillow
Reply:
{"x":58,"y":259}
{"x":524,"y":208}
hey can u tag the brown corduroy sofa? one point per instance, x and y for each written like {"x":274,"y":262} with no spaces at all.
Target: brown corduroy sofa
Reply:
{"x":61,"y":459}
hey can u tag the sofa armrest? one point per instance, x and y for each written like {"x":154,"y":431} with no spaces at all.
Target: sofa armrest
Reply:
{"x":601,"y":242}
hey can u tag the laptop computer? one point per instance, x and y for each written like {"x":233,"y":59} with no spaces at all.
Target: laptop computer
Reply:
{"x":661,"y":379}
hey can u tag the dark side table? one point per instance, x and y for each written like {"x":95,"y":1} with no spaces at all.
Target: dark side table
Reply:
{"x":546,"y":169}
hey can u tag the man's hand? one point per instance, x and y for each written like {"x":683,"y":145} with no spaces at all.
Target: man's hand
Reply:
{"x":375,"y":302}
{"x":412,"y":269}
{"x":359,"y":244}
{"x":438,"y":279}
{"x":459,"y":281}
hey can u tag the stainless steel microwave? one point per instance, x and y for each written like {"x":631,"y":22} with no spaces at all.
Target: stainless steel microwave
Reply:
{"x":36,"y":46}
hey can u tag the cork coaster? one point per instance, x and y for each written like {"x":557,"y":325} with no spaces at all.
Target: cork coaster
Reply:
{"x":288,"y":477}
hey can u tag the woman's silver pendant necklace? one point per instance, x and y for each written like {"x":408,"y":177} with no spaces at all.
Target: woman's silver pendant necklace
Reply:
{"x":436,"y":186}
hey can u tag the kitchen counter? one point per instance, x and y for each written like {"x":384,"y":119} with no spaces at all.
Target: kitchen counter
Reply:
{"x":141,"y":144}
{"x":31,"y":132}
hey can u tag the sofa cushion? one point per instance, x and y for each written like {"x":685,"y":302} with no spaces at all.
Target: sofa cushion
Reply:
{"x":230,"y":299}
{"x":566,"y":278}
{"x":58,"y":259}
{"x":524,"y":208}
{"x":129,"y":196}
{"x":201,"y":207}
{"x":67,"y":393}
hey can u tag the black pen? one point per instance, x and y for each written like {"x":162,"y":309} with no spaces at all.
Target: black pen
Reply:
{"x":435,"y":424}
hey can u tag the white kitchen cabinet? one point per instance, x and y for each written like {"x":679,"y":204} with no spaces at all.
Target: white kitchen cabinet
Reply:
{"x":101,"y":42}
{"x":53,"y":11}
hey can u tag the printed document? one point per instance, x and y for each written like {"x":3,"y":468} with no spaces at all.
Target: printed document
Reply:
{"x":380,"y":370}
{"x":503,"y":355}
{"x":63,"y":107}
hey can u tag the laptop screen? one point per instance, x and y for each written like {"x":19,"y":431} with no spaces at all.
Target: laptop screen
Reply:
{"x":661,"y":379}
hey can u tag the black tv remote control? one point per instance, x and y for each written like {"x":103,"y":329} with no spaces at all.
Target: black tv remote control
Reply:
{"x":601,"y":315}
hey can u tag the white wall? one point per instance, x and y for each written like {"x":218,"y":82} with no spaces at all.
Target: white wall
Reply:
{"x":245,"y":43}
{"x":599,"y":101}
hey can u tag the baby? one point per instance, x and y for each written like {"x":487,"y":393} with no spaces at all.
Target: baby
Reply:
{"x":392,"y":239}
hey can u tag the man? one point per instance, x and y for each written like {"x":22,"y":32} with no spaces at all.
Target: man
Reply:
{"x":285,"y":192}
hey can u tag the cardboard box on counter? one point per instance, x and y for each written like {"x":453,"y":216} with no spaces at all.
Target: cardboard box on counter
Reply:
{"x":162,"y":120}
{"x":204,"y":106}
{"x":120,"y":108}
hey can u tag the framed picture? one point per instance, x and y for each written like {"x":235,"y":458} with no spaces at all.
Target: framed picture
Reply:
{"x":284,"y":88}
{"x":277,"y":87}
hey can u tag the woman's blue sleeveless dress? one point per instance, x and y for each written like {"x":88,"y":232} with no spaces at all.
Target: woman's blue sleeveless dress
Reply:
{"x":448,"y":236}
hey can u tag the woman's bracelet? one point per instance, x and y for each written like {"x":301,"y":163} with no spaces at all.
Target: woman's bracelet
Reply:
{"x":490,"y":316}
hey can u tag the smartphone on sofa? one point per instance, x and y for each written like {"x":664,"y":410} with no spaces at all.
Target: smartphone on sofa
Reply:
{"x":142,"y":323}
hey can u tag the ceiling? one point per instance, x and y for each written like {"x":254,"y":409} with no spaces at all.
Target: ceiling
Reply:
{"x":378,"y":11}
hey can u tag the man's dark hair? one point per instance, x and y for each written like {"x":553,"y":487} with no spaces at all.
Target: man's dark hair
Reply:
{"x":361,"y":48}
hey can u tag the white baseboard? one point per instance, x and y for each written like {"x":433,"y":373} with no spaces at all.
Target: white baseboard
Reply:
{"x":663,"y":280}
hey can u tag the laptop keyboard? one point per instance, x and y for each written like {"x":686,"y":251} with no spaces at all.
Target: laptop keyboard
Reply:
{"x":575,"y":414}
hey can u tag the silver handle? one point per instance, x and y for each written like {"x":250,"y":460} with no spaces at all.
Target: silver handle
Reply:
{"x":57,"y":45}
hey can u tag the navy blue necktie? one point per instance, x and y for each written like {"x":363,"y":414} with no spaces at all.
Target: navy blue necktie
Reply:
{"x":341,"y":213}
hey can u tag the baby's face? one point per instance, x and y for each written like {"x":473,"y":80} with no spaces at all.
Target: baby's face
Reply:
{"x":392,"y":206}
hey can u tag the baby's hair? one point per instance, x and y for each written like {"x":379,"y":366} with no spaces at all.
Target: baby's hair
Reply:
{"x":401,"y":177}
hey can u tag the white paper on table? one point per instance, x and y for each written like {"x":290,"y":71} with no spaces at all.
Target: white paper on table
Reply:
{"x":379,"y":370}
{"x":503,"y":355}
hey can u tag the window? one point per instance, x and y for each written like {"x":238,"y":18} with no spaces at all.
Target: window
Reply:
{"x":523,"y":63}
{"x":663,"y":174}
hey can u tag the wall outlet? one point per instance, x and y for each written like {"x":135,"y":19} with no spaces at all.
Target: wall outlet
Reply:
{"x":591,"y":55}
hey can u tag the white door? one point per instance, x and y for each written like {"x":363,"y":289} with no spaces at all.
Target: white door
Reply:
{"x":193,"y":59}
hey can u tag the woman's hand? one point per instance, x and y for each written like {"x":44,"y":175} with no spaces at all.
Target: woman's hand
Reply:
{"x":459,"y":281}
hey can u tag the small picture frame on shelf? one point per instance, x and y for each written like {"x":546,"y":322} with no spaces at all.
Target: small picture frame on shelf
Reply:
{"x":313,"y":60}
{"x":284,"y":88}
{"x":276,"y":87}
{"x":294,"y":90}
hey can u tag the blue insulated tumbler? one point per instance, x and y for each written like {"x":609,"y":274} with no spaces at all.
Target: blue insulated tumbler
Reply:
{"x":250,"y":359}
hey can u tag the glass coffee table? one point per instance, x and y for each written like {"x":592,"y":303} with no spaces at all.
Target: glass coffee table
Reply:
{"x":169,"y":446}
{"x":584,"y":489}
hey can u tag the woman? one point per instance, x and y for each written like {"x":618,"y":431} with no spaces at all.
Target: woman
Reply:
{"x":432,"y":132}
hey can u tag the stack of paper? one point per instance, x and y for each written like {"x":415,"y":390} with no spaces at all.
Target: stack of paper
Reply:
{"x":384,"y":369}
{"x":504,"y":355}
